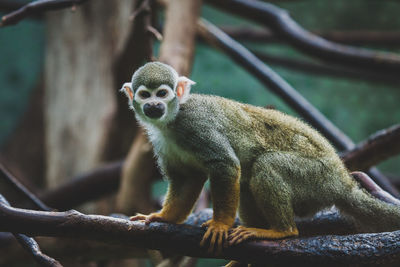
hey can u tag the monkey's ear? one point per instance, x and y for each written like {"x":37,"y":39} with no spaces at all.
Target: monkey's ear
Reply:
{"x":127,"y":89}
{"x":183,"y":88}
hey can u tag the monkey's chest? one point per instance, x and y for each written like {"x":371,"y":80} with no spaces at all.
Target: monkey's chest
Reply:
{"x":170,"y":153}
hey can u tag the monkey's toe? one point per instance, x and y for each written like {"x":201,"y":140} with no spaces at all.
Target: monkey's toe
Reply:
{"x":217,"y":232}
{"x":153,"y":217}
{"x":242,"y":233}
{"x":138,"y":217}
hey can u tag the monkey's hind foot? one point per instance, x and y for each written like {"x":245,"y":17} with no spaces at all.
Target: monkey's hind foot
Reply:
{"x":242,"y":233}
{"x":217,"y":232}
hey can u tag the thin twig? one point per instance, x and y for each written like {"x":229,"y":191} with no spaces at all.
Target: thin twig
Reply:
{"x":325,"y":69}
{"x":35,"y":8}
{"x":143,"y":9}
{"x":67,"y":249}
{"x":279,"y":21}
{"x":378,"y":147}
{"x":30,"y":245}
{"x":85,"y":187}
{"x":348,"y":37}
{"x":11,"y":180}
{"x":155,"y":32}
{"x":368,"y":184}
{"x":10,"y":5}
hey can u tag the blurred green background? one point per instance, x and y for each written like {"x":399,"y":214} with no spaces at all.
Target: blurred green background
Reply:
{"x":358,"y":107}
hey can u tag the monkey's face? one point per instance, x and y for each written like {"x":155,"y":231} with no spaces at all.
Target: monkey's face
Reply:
{"x":156,"y":91}
{"x":155,"y":104}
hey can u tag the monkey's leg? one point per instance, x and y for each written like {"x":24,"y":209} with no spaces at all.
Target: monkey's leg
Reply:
{"x":224,"y":184}
{"x":272,"y":202}
{"x":181,"y":196}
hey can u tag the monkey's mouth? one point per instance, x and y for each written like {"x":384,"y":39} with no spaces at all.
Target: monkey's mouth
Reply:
{"x":154,"y":110}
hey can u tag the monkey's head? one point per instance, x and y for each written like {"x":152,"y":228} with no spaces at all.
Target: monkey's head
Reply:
{"x":156,"y":91}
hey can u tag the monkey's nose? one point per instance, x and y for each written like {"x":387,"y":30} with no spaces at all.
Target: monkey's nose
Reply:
{"x":153,"y":110}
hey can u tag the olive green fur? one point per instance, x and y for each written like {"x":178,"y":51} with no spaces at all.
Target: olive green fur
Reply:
{"x":286,"y":168}
{"x":154,"y":74}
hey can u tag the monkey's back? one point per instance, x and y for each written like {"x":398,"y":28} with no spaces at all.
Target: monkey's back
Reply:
{"x":253,"y":129}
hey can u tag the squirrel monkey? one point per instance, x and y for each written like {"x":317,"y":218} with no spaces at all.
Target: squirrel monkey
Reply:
{"x":267,"y":165}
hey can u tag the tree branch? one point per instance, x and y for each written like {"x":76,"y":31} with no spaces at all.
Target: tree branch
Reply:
{"x":348,"y":37}
{"x":184,"y":239}
{"x":86,"y":187}
{"x":368,"y":184}
{"x":376,"y":148}
{"x":324,"y":69}
{"x":279,"y":21}
{"x":22,"y":190}
{"x":68,"y":250}
{"x":30,"y":245}
{"x":35,"y":8}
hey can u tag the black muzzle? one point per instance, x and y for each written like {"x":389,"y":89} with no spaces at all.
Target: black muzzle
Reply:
{"x":154,"y":110}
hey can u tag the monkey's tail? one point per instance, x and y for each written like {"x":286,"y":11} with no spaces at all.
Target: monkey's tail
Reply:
{"x":370,"y":214}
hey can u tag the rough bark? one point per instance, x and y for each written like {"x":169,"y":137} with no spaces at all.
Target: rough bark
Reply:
{"x":382,"y":248}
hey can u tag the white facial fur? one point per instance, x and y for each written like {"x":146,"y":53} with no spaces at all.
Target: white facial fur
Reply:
{"x":144,"y":95}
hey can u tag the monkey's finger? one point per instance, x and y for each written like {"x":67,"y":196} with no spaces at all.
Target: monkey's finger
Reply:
{"x":206,"y":224}
{"x":138,"y":217}
{"x":244,"y":238}
{"x":220,"y":242}
{"x":205,"y":237}
{"x":235,"y":238}
{"x":239,"y":229}
{"x":226,"y":236}
{"x":235,"y":232}
{"x":241,"y":238}
{"x":212,"y":242}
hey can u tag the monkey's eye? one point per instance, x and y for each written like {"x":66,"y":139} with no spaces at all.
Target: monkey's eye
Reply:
{"x":162,"y":93}
{"x":144,"y":94}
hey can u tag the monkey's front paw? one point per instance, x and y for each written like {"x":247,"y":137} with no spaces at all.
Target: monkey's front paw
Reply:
{"x":218,"y":231}
{"x":153,"y":217}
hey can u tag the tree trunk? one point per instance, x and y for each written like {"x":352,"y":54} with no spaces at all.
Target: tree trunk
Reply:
{"x":86,"y":51}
